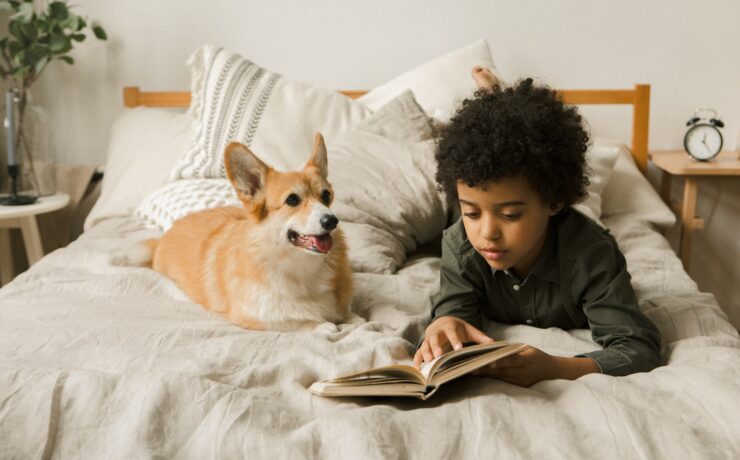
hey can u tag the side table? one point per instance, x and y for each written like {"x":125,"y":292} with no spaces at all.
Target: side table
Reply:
{"x":678,"y":163}
{"x":24,"y":217}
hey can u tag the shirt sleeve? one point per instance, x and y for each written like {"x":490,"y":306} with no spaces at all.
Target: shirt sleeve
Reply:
{"x":458,"y":295}
{"x":630,"y":341}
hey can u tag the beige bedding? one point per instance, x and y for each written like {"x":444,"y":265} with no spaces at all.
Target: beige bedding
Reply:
{"x":105,"y":361}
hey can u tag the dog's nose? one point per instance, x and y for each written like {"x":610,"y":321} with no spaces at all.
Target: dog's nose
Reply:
{"x":329,"y":222}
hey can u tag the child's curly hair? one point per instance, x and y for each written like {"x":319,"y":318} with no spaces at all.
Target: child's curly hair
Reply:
{"x":522,"y":130}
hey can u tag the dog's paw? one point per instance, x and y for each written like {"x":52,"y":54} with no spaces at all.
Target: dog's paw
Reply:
{"x":355,"y":319}
{"x":326,"y":328}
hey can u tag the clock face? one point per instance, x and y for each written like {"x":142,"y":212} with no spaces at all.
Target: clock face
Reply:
{"x":703,"y":141}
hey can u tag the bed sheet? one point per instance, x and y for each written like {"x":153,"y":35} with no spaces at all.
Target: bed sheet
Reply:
{"x":100,"y":360}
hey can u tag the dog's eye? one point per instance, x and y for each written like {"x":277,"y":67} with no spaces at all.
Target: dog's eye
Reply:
{"x":325,"y":196}
{"x":293,"y":200}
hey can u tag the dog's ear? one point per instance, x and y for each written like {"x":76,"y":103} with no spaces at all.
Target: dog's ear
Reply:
{"x":246,"y":172}
{"x":318,"y":157}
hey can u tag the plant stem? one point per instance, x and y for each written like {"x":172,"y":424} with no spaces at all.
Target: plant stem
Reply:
{"x":21,"y":137}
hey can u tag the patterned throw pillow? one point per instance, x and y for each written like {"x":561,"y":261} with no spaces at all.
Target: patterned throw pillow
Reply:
{"x":177,"y":199}
{"x":234,"y":99}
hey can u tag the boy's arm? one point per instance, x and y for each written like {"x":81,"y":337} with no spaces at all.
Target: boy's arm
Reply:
{"x":631,"y":341}
{"x":458,"y":295}
{"x":457,"y":298}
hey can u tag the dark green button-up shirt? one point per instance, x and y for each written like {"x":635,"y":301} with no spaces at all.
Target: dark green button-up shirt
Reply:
{"x":579,"y":280}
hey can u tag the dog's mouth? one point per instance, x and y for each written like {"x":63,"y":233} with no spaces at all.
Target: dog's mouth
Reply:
{"x":320,"y":244}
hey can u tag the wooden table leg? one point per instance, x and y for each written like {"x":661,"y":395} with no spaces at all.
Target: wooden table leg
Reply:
{"x":6,"y":257}
{"x":665,"y":188}
{"x":32,"y":239}
{"x":688,"y":215}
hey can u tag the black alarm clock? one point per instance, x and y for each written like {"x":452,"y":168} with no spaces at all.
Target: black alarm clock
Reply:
{"x":703,"y":141}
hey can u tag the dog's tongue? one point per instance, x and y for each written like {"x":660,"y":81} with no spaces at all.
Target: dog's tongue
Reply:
{"x":322,"y":243}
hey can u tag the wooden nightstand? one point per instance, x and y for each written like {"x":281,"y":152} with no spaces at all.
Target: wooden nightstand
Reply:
{"x":24,"y":217}
{"x":678,"y":163}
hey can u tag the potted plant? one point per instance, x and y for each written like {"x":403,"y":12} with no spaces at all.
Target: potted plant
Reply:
{"x":39,"y":32}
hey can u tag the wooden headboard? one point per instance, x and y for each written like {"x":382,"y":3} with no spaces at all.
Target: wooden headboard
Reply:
{"x":639,"y":98}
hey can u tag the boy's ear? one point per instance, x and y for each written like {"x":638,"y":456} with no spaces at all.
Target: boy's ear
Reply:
{"x":318,"y":158}
{"x":246,"y":172}
{"x":556,"y":208}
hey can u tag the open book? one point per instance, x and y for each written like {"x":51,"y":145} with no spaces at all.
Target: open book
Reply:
{"x":405,"y":380}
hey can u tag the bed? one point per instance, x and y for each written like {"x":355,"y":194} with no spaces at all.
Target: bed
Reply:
{"x":104,"y":360}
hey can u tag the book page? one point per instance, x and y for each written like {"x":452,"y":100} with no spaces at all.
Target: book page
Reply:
{"x":397,"y":372}
{"x":391,"y":389}
{"x":459,"y":355}
{"x":457,"y":368}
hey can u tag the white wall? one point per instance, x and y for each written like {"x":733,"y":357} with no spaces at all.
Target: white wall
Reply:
{"x":688,"y":50}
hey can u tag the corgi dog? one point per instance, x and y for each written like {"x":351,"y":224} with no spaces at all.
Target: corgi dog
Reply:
{"x":277,"y":263}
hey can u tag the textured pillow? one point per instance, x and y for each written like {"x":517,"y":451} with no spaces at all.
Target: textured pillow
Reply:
{"x":177,"y":199}
{"x":440,"y":84}
{"x":234,"y":99}
{"x":382,"y":173}
{"x":383,"y":179}
{"x":145,"y":145}
{"x":629,"y":192}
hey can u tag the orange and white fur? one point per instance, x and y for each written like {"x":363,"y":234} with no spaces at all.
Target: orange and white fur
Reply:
{"x":278,"y":263}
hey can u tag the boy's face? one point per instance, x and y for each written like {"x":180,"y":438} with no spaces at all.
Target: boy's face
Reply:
{"x":506,"y":222}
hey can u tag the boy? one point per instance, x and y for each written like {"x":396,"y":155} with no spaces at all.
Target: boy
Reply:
{"x":515,"y":160}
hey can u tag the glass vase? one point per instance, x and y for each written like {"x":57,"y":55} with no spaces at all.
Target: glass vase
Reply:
{"x":37,"y":176}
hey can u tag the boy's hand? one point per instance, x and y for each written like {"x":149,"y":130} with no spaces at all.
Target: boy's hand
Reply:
{"x":532,"y":365}
{"x":446,"y":332}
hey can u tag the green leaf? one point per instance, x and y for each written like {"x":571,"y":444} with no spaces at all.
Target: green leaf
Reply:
{"x":99,"y":32}
{"x":58,"y":10}
{"x":19,"y":71}
{"x":16,"y":30}
{"x":29,"y":31}
{"x":72,"y":22}
{"x":14,"y":48}
{"x":67,"y":59}
{"x":78,"y":37}
{"x":25,"y":59}
{"x":41,"y":64}
{"x":59,"y":43}
{"x":25,"y":11}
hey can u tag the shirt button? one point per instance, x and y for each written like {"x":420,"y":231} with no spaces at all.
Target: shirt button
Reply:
{"x":516,"y":287}
{"x":529,"y":321}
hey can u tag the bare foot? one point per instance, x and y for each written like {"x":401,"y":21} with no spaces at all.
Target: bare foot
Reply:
{"x":484,"y":78}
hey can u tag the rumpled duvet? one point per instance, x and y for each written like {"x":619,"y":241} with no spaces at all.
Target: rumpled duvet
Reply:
{"x":103,"y":360}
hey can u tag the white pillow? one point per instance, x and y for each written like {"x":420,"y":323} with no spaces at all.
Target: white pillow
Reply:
{"x":600,"y":159}
{"x":234,"y":99}
{"x":144,"y":146}
{"x":382,"y":173}
{"x":440,"y":84}
{"x":629,"y":192}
